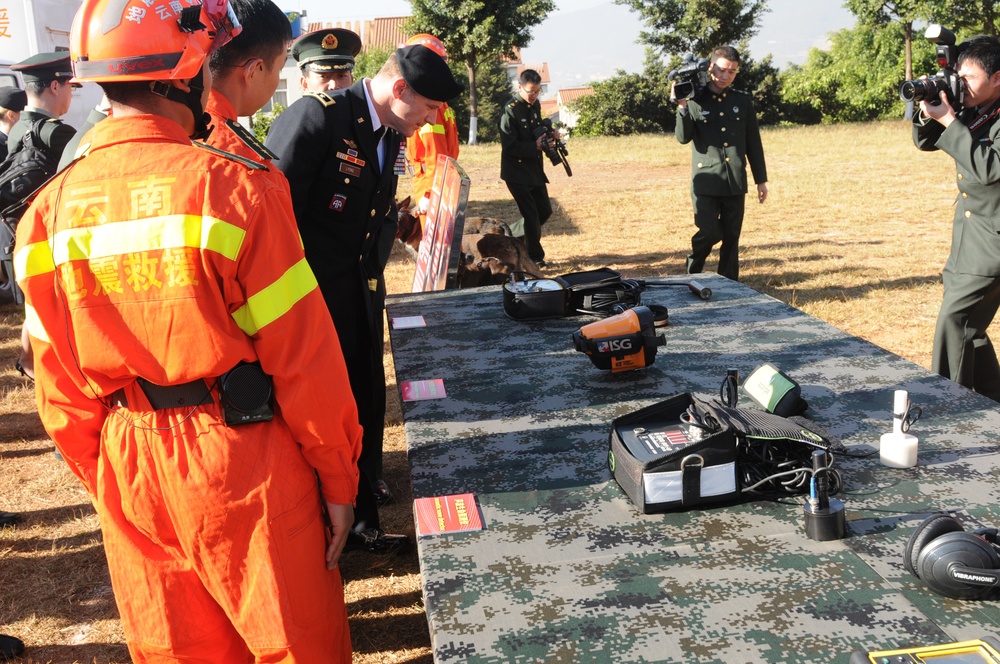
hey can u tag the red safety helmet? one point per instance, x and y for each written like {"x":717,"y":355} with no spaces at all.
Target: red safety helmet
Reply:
{"x":127,"y":40}
{"x":430,"y":41}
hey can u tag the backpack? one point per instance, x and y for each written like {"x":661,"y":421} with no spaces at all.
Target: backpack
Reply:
{"x":28,"y":166}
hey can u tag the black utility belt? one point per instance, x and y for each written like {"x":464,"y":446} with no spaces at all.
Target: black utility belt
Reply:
{"x":246,"y":392}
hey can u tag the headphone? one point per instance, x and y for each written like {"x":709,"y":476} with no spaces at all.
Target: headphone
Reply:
{"x":951,"y":561}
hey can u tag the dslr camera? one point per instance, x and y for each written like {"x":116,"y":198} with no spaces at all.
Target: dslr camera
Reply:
{"x":945,"y":80}
{"x":554,"y":147}
{"x":690,"y":77}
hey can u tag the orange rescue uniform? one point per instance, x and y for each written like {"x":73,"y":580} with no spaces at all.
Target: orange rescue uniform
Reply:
{"x":224,"y":135}
{"x":423,"y":148}
{"x":153,"y":258}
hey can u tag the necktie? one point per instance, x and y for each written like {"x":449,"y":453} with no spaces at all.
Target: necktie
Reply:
{"x":379,"y":135}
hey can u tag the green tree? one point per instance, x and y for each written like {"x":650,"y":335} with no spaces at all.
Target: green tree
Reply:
{"x":369,"y":61}
{"x":885,"y":12}
{"x":696,"y":26}
{"x":261,"y":121}
{"x":856,"y":80}
{"x":628,"y":103}
{"x":478,"y":33}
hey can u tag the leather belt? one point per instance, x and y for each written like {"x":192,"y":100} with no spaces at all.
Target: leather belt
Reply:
{"x":161,"y":397}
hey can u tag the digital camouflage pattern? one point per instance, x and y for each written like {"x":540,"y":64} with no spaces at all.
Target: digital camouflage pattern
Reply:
{"x":567,"y":569}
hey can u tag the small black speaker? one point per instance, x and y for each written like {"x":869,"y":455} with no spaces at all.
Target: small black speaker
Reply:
{"x":247,"y":394}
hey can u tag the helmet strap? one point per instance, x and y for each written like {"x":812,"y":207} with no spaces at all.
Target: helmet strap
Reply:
{"x":191,"y":99}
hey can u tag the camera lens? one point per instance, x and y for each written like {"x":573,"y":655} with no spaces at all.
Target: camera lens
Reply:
{"x":912,"y":90}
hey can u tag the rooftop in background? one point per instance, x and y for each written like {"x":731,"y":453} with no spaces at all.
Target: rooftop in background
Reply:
{"x":566,"y":95}
{"x":385,"y":32}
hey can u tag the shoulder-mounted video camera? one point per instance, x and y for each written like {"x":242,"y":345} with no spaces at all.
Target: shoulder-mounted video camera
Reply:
{"x":554,"y":147}
{"x":690,"y":78}
{"x":945,"y":80}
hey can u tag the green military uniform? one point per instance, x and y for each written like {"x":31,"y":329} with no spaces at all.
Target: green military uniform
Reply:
{"x":962,"y":349}
{"x":521,"y":167}
{"x":722,"y":128}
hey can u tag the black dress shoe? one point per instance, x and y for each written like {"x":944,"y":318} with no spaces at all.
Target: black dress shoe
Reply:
{"x":9,"y":519}
{"x":382,"y":494}
{"x":10,"y":647}
{"x":376,"y":541}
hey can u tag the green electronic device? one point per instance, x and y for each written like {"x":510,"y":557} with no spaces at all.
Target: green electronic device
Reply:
{"x":978,"y":651}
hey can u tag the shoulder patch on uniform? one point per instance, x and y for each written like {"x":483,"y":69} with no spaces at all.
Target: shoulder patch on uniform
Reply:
{"x":249,"y":163}
{"x":250,"y":140}
{"x":321,"y":97}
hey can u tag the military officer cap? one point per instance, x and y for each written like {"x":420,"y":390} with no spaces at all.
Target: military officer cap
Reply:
{"x":45,"y":67}
{"x":427,"y":73}
{"x":13,"y":99}
{"x":332,"y":49}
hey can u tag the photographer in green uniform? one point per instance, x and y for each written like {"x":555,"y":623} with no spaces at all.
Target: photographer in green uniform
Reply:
{"x":721,"y":125}
{"x":962,"y":349}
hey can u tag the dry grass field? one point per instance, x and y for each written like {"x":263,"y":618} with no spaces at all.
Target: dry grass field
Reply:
{"x":856,"y":231}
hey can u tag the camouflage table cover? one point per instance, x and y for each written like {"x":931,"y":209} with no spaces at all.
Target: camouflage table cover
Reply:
{"x":567,"y":569}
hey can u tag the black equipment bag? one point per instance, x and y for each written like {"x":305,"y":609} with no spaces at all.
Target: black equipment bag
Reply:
{"x":28,"y":166}
{"x":685,"y":453}
{"x":529,"y":297}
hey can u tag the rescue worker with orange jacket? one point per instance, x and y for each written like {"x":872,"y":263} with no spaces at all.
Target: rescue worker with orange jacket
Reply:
{"x":245,"y":74}
{"x":163,"y":281}
{"x":431,"y":140}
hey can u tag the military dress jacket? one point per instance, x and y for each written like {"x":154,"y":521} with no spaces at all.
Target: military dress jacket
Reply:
{"x":724,"y":135}
{"x":55,"y":133}
{"x":344,"y":205}
{"x":521,"y":162}
{"x":975,"y":238}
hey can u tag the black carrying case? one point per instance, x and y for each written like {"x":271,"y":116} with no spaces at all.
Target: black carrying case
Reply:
{"x":576,"y":293}
{"x":662,"y":465}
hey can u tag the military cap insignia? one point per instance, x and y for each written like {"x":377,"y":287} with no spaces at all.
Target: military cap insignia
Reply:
{"x":329,"y":42}
{"x":321,"y":97}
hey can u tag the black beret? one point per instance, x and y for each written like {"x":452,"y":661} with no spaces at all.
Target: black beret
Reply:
{"x":45,"y":67}
{"x":326,"y":50}
{"x":13,"y":99}
{"x":427,"y":73}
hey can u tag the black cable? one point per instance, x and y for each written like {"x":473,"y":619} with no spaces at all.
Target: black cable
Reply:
{"x":771,"y":467}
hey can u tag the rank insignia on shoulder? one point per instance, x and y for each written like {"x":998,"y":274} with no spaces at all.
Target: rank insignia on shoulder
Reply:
{"x":249,"y":163}
{"x":321,"y":97}
{"x":250,"y":140}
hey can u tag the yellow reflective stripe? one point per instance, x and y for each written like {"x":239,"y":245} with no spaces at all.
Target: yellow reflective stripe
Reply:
{"x":32,"y":260}
{"x":432,"y":129}
{"x":34,"y":323}
{"x":167,"y":232}
{"x":275,"y":300}
{"x":123,"y":237}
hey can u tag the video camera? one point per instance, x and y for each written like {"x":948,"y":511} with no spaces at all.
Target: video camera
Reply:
{"x":945,"y":80}
{"x":690,"y":77}
{"x":555,"y":147}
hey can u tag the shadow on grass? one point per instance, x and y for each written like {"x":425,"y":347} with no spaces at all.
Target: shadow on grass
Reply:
{"x":506,"y":210}
{"x":109,"y":653}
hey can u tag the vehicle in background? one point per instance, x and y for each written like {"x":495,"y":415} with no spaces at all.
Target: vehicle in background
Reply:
{"x":28,"y":27}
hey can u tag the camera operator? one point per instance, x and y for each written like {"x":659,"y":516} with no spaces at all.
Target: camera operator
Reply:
{"x":721,"y":124}
{"x":962,"y":349}
{"x":521,"y":160}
